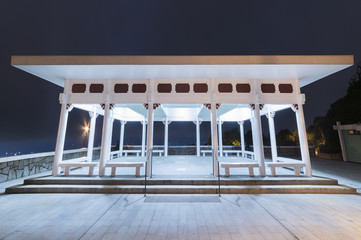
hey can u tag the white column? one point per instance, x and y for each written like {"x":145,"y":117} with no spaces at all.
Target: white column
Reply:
{"x":144,"y":124}
{"x":302,"y":135}
{"x":214,"y":136}
{"x":254,"y":143}
{"x":272,"y":134}
{"x":93,"y":116}
{"x":220,"y":138}
{"x":166,"y":137}
{"x":258,"y":141}
{"x":342,"y":140}
{"x":241,"y":132}
{"x":198,"y":138}
{"x":121,"y":141}
{"x":59,"y":148}
{"x":149,"y":136}
{"x":106,"y":138}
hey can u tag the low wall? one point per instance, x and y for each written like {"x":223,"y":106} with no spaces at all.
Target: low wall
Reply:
{"x":25,"y":165}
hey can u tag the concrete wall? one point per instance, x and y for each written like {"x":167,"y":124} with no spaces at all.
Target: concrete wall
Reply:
{"x":25,"y":165}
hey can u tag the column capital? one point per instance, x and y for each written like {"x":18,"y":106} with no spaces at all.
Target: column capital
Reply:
{"x":155,"y":105}
{"x":220,"y":122}
{"x":63,"y":98}
{"x":271,"y":114}
{"x":253,"y":106}
{"x":123,"y":122}
{"x":93,"y":114}
{"x":168,"y":122}
{"x":69,"y":107}
{"x":144,"y":121}
{"x":199,"y":121}
{"x":111,"y":106}
{"x":208,"y":105}
{"x":294,"y":107}
{"x":240,"y":122}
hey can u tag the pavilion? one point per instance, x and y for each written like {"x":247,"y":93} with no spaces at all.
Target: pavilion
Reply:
{"x":182,"y":88}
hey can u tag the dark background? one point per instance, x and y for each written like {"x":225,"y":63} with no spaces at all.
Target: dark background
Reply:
{"x":30,"y":107}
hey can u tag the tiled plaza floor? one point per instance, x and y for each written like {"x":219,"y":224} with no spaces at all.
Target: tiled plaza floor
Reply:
{"x":122,"y":216}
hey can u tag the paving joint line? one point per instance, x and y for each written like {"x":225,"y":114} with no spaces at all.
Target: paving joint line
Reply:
{"x":126,"y":205}
{"x":274,"y":217}
{"x":238,"y":205}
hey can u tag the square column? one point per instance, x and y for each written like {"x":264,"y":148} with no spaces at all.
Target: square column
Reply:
{"x":59,"y":148}
{"x":198,"y":137}
{"x":121,"y":141}
{"x":220,"y":138}
{"x":302,"y":134}
{"x":214,"y":137}
{"x":150,"y":107}
{"x":144,"y":126}
{"x":270,"y":115}
{"x":241,"y":132}
{"x":166,"y":123}
{"x":342,"y":140}
{"x":106,"y":137}
{"x":93,"y":116}
{"x":257,"y":140}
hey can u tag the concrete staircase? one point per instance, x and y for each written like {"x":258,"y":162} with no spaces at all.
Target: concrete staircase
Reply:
{"x":301,"y":185}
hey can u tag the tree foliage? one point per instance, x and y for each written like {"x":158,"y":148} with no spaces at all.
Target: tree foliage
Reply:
{"x":347,"y":110}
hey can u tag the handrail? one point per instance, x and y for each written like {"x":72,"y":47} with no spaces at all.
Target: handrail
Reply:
{"x":214,"y":157}
{"x":149,"y":157}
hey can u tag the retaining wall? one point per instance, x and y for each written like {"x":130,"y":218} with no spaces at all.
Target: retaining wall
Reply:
{"x":25,"y":165}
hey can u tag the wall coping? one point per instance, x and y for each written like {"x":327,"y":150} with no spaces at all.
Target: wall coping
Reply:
{"x":36,"y":155}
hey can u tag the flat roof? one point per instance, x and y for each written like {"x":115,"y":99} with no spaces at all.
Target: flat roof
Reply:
{"x":306,"y":68}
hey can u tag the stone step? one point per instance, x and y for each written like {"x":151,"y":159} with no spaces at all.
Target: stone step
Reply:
{"x":184,"y":189}
{"x":140,"y":181}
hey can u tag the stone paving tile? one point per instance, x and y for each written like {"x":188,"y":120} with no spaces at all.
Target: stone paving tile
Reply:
{"x":122,"y":216}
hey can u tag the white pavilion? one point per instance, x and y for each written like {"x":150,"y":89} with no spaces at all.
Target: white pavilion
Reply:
{"x":183,"y":88}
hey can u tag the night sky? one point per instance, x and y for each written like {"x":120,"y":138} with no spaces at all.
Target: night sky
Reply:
{"x":29,"y":105}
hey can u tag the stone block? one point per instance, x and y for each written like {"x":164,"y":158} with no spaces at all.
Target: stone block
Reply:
{"x":3,"y":177}
{"x":19,"y":173}
{"x":21,"y":165}
{"x":12,"y":174}
{"x":26,"y":171}
{"x":6,"y":170}
{"x":3,"y":165}
{"x":32,"y":171}
{"x":16,"y":163}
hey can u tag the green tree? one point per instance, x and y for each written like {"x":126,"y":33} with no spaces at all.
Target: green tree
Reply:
{"x":285,"y":138}
{"x":347,"y":110}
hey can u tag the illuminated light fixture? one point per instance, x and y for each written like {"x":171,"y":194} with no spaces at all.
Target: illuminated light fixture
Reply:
{"x":86,"y":129}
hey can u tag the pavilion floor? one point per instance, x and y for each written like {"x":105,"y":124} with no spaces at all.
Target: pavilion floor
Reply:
{"x":183,"y":167}
{"x":181,"y":175}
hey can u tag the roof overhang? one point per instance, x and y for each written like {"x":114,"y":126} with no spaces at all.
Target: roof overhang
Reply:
{"x":307,"y":69}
